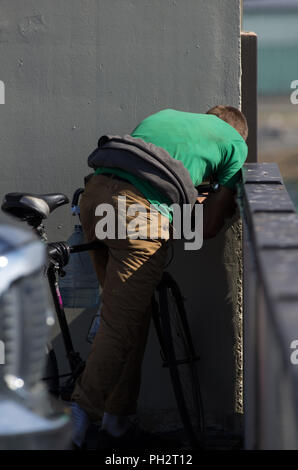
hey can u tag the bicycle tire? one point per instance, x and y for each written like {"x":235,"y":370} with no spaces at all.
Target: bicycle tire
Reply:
{"x":181,"y":359}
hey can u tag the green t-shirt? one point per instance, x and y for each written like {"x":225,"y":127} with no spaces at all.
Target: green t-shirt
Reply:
{"x":205,"y":144}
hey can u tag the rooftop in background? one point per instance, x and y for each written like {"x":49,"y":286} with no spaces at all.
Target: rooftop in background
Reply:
{"x":269,"y":4}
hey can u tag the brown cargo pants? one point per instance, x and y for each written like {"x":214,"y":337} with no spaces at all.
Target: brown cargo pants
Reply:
{"x":128,"y":271}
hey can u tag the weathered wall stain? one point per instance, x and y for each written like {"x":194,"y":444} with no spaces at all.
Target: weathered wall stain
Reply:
{"x":32,"y":26}
{"x":233,"y":264}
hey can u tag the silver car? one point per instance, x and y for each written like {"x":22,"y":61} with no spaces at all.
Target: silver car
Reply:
{"x":29,"y":417}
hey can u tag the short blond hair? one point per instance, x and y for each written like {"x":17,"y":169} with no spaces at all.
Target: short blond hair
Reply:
{"x":232,"y":116}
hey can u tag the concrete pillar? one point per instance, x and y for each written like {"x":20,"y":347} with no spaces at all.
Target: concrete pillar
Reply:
{"x":249,"y":90}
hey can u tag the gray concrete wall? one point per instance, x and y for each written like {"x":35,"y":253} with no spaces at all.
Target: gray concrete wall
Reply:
{"x":75,"y":69}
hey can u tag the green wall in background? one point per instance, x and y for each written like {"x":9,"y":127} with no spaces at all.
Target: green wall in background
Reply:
{"x":277,"y":32}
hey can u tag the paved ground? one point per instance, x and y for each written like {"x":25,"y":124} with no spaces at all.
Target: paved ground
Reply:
{"x":215,"y":440}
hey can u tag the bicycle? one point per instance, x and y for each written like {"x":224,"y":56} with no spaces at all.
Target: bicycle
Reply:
{"x":168,"y":314}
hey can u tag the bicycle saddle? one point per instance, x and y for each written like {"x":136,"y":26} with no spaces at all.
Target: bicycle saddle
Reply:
{"x":28,"y":205}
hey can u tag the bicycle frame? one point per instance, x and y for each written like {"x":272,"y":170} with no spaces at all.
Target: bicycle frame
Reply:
{"x":58,"y":257}
{"x":59,"y":253}
{"x":57,"y":261}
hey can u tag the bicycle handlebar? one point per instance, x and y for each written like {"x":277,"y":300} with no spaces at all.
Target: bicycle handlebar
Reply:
{"x":60,"y":251}
{"x":86,"y":247}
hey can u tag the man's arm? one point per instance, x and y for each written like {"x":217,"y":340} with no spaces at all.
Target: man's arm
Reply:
{"x":217,"y":207}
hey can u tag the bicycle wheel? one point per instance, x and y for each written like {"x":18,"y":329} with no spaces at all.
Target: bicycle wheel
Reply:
{"x":181,"y":358}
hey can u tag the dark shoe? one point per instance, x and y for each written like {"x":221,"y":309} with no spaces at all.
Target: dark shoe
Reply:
{"x":136,"y":439}
{"x":76,"y":447}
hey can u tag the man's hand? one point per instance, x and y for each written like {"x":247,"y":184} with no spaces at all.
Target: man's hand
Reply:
{"x":202,"y":198}
{"x":217,"y":207}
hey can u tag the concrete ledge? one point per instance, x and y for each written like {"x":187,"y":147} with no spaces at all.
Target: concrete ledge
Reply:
{"x":270,"y":309}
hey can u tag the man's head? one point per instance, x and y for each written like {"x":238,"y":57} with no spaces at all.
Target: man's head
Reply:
{"x":232,"y":116}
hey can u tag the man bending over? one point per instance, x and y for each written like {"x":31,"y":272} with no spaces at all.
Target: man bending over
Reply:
{"x":167,"y":155}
